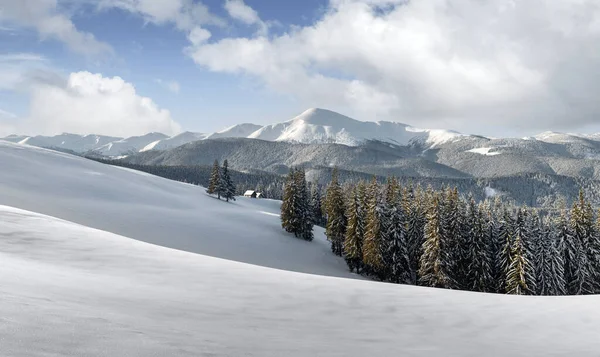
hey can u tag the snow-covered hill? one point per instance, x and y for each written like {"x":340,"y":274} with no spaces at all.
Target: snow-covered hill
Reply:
{"x":156,"y":210}
{"x":317,"y":126}
{"x":68,"y":290}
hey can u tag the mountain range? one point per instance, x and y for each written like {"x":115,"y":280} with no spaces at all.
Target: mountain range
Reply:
{"x":320,"y":138}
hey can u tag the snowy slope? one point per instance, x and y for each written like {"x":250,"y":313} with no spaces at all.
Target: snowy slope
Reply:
{"x":68,"y":290}
{"x":73,"y":142}
{"x":129,"y":145}
{"x":173,"y":141}
{"x":237,"y":131}
{"x":324,"y":126}
{"x":156,"y":210}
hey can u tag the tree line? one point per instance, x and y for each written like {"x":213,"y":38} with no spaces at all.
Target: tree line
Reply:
{"x":270,"y":185}
{"x":438,"y":238}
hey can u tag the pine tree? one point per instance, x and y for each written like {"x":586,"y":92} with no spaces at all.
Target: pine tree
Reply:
{"x":316,"y":205}
{"x":550,"y":272}
{"x":302,"y":208}
{"x":579,"y":276}
{"x":226,"y":186}
{"x":215,"y":180}
{"x":531,"y":243}
{"x":432,"y":270}
{"x":517,"y":275}
{"x":414,"y":206}
{"x":394,"y":238}
{"x":288,"y":215}
{"x":335,"y":211}
{"x":479,"y":256}
{"x":506,"y":236}
{"x":353,"y":242}
{"x":372,"y":248}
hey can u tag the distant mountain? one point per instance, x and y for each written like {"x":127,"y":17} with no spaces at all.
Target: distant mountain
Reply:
{"x":318,"y":126}
{"x":66,"y":141}
{"x":130,"y":145}
{"x":173,"y":141}
{"x":236,"y":131}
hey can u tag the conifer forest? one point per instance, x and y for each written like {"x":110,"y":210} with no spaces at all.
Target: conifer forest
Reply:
{"x":439,"y":238}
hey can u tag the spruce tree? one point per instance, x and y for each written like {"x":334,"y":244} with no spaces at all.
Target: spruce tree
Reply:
{"x":550,"y":273}
{"x":432,"y":270}
{"x":289,"y":221}
{"x":579,"y":276}
{"x":479,"y":255}
{"x":353,"y":242}
{"x":506,"y":236}
{"x":414,"y":203}
{"x":302,"y":208}
{"x":214,"y":182}
{"x":335,"y":211}
{"x":226,"y":186}
{"x":518,"y":278}
{"x":394,"y":237}
{"x":315,"y":205}
{"x":372,"y":248}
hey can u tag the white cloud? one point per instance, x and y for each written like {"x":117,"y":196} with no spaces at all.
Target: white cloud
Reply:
{"x":44,"y":16}
{"x":238,"y":10}
{"x":198,"y":35}
{"x":184,"y":14}
{"x":172,"y":86}
{"x":464,"y":64}
{"x":90,"y":103}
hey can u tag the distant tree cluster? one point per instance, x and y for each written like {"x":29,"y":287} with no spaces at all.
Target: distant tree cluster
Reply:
{"x":270,"y":185}
{"x":407,"y":235}
{"x":220,"y":183}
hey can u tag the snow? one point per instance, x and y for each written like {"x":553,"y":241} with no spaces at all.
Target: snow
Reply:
{"x":129,"y":145}
{"x":490,"y":192}
{"x":324,"y":126}
{"x":70,"y":290}
{"x":156,"y":210}
{"x":174,"y":141}
{"x":237,"y":131}
{"x":484,"y":151}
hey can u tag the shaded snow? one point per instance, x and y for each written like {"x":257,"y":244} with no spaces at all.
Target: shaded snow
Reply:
{"x":68,"y":290}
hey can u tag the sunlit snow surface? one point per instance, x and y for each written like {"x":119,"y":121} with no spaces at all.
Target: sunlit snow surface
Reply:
{"x":69,"y":290}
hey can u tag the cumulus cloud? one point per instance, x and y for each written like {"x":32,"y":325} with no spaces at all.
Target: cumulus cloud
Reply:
{"x":91,"y":103}
{"x":45,"y":18}
{"x":466,"y":64}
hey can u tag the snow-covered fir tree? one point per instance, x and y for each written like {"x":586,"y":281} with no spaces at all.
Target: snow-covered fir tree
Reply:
{"x":353,"y":242}
{"x":432,"y":268}
{"x":550,"y":263}
{"x":479,"y":255}
{"x":226,"y":185}
{"x":518,"y":278}
{"x":579,"y":277}
{"x":414,"y":206}
{"x":372,"y":248}
{"x":316,"y":208}
{"x":335,"y":211}
{"x":215,"y":180}
{"x":302,"y":206}
{"x":395,"y":243}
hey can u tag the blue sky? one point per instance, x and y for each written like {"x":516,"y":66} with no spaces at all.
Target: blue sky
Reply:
{"x":124,"y":67}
